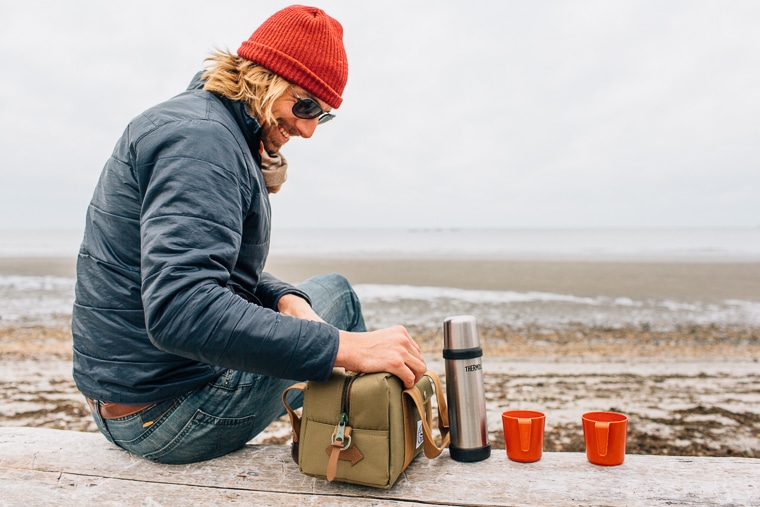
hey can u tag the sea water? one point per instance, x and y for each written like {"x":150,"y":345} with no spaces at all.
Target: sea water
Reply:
{"x":549,"y":244}
{"x":560,"y":244}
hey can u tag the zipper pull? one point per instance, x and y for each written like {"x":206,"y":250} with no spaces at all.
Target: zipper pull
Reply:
{"x":340,"y":431}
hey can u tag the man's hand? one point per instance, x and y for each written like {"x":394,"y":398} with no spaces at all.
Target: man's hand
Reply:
{"x":392,"y":350}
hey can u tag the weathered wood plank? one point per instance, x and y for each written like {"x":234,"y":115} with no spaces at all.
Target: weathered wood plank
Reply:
{"x":31,"y":487}
{"x":34,"y":488}
{"x":268,"y":473}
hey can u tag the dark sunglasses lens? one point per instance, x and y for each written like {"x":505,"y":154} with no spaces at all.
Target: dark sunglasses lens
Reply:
{"x":307,"y":108}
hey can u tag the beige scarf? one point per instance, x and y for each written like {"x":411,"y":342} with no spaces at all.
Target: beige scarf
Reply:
{"x":275,"y":171}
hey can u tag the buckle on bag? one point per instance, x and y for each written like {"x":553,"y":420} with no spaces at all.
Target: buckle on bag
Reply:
{"x":344,"y":445}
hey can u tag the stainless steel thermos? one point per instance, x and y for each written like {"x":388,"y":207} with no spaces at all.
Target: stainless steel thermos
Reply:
{"x":464,"y":389}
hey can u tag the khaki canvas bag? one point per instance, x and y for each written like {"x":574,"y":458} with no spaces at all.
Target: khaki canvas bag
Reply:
{"x":366,"y":428}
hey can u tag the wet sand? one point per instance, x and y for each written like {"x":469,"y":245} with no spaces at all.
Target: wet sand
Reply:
{"x":682,"y":280}
{"x":38,"y":266}
{"x":706,"y":281}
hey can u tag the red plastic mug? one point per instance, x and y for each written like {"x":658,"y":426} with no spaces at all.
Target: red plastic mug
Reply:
{"x":524,"y":434}
{"x":605,"y":435}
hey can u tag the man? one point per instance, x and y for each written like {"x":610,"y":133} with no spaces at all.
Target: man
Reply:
{"x":182,"y":344}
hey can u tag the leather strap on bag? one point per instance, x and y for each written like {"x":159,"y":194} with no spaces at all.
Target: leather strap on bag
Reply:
{"x":295,"y":419}
{"x":336,"y":449}
{"x":431,"y":449}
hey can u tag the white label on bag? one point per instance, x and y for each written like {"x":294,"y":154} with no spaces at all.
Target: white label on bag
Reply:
{"x":419,"y":434}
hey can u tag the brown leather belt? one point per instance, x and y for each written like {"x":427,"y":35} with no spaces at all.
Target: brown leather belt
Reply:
{"x":115,"y":410}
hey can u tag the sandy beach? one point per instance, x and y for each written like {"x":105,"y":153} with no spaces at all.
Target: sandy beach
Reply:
{"x":693,"y":389}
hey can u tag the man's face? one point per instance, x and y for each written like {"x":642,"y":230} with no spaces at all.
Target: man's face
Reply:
{"x":288,"y":125}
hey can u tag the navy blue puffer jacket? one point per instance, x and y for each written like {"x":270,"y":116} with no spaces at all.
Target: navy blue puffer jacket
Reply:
{"x":170,"y":284}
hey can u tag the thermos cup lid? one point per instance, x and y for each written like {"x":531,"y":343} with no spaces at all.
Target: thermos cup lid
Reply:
{"x":460,"y":332}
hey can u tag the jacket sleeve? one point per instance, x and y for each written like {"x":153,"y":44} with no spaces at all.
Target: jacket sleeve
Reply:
{"x":197,"y":191}
{"x":270,"y":290}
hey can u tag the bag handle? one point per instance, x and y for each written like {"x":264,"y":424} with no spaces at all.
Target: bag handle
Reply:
{"x":295,"y":419}
{"x":431,"y":449}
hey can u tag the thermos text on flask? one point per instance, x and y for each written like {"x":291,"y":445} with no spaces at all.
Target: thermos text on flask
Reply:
{"x":464,"y":389}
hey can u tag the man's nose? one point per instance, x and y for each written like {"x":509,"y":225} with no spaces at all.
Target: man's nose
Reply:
{"x":306,"y":127}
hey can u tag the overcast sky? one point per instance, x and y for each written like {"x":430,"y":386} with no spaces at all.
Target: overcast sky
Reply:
{"x":456,"y":113}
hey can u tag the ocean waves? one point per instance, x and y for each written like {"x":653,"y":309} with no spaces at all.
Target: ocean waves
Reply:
{"x":35,"y":299}
{"x":41,"y":299}
{"x":427,"y":307}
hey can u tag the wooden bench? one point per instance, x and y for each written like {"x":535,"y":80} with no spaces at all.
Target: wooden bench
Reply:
{"x":52,"y":467}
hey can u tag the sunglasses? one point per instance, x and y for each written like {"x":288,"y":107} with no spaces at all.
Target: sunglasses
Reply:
{"x":308,"y":109}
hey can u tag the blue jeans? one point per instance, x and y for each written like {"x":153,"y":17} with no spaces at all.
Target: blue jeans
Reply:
{"x":232,"y":409}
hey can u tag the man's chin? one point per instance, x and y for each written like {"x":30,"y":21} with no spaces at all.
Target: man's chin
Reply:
{"x":274,"y":143}
{"x":272,"y":148}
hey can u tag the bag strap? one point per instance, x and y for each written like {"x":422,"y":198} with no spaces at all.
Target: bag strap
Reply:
{"x":431,"y":449}
{"x":295,"y":419}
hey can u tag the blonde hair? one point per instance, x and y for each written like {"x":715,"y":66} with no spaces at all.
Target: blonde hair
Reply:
{"x":240,"y":79}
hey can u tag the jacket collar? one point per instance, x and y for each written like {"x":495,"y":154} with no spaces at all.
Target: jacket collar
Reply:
{"x":249,"y":125}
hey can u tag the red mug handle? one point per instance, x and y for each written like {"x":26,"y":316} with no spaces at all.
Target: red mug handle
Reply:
{"x":602,"y":430}
{"x":525,"y":426}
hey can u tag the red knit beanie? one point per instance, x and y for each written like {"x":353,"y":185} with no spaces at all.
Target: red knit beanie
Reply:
{"x":305,"y":46}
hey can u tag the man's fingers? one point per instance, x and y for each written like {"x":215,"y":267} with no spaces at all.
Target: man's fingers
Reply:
{"x":416,"y":366}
